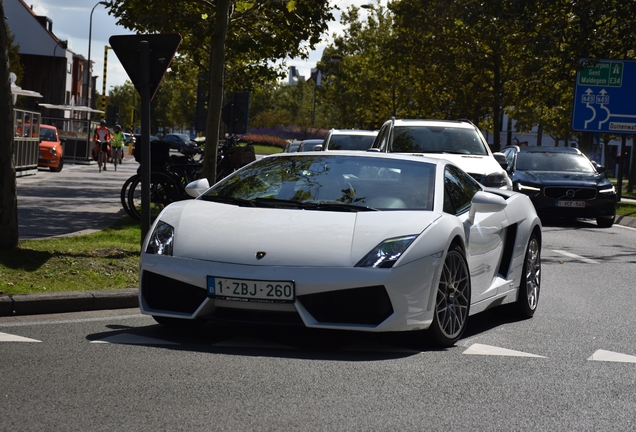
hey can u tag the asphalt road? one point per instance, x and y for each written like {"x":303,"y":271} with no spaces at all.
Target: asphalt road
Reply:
{"x":569,"y":368}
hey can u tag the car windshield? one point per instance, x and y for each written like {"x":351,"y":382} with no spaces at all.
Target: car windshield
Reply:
{"x":329,"y":182}
{"x":553,"y":161}
{"x":351,"y":142}
{"x":436,"y":139}
{"x":179,"y":137}
{"x":47,"y":134}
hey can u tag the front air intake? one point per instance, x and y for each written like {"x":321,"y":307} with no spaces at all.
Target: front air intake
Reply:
{"x":166,"y":294}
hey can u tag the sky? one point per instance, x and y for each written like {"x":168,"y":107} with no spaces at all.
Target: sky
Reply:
{"x":71,"y":21}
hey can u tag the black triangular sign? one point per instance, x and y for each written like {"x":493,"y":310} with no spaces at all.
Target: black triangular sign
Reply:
{"x":162,"y":49}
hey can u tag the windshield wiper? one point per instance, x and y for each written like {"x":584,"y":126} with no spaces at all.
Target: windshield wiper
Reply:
{"x":275,"y":202}
{"x":334,"y":206}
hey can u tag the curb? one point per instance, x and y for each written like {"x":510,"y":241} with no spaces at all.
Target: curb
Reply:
{"x":626,"y":221}
{"x":62,"y":302}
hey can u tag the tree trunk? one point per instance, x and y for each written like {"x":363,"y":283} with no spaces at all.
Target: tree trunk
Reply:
{"x":217,"y":66}
{"x":9,"y":235}
{"x":496,"y":108}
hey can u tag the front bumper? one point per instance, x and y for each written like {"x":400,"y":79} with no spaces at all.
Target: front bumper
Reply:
{"x":595,"y":205}
{"x":364,"y":299}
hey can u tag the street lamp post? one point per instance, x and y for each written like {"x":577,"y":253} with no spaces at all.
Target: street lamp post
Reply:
{"x":90,"y":69}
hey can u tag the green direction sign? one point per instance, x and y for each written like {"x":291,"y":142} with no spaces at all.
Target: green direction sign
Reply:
{"x":604,"y":73}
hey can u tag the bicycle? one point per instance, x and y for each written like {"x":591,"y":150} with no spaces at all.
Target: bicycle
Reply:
{"x":232,"y":156}
{"x":168,"y":179}
{"x":102,"y":155}
{"x":171,"y":174}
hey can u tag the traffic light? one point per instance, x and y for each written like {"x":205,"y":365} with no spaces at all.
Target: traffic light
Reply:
{"x":235,"y":112}
{"x":112,"y":115}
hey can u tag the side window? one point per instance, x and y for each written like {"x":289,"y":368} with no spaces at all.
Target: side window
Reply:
{"x":510,"y":155}
{"x":459,"y":189}
{"x":382,"y":138}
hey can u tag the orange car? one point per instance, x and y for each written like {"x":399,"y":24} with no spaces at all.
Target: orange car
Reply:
{"x":51,"y":151}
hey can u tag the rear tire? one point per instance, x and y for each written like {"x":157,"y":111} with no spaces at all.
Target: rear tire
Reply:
{"x":123,"y":196}
{"x":530,"y":286}
{"x":452,"y":302}
{"x":164,"y":190}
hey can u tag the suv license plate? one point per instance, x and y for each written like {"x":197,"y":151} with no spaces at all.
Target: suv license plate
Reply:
{"x":576,"y":204}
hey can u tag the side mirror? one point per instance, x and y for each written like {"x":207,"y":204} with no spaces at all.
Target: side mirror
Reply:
{"x":501,"y":160}
{"x":599,"y":168}
{"x":197,"y":187}
{"x":318,"y":147}
{"x":485,"y":202}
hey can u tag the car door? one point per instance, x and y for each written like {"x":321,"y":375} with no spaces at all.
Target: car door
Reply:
{"x":484,"y":235}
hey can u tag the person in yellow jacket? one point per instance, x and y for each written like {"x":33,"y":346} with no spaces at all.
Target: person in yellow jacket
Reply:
{"x":117,"y":144}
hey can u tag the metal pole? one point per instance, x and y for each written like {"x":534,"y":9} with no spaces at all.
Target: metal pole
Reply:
{"x":619,"y":176}
{"x":144,"y":90}
{"x":106,"y":48}
{"x":90,"y":69}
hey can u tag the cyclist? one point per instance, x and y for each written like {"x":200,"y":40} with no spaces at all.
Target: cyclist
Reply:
{"x":117,"y":144}
{"x":101,"y":139}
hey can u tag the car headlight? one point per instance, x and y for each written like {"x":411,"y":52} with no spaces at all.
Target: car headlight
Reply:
{"x":607,"y":190}
{"x":387,"y":253}
{"x":53,"y":150}
{"x":497,"y":180}
{"x":161,"y":240}
{"x":526,"y":188}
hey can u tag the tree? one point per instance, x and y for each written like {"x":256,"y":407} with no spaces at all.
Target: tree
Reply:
{"x":9,"y":235}
{"x":257,"y":32}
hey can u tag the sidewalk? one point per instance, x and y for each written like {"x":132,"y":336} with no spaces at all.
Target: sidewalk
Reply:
{"x":78,"y":200}
{"x":69,"y":203}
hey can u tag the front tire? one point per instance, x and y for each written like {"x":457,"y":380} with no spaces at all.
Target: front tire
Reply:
{"x":453,"y":299}
{"x":604,"y":221}
{"x":59,"y":166}
{"x":530,"y":285}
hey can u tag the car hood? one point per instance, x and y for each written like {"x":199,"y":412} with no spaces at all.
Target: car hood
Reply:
{"x":49,"y":144}
{"x":472,"y":164}
{"x":227,"y":233}
{"x":551,"y":178}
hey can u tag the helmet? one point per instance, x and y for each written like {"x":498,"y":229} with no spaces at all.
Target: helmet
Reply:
{"x":117,"y":126}
{"x":103,"y":122}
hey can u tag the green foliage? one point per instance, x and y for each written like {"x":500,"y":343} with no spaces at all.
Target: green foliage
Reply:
{"x":471,"y":59}
{"x":108,"y":259}
{"x":259,"y":31}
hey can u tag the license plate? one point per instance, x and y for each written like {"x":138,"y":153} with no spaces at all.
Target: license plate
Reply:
{"x":251,"y":290}
{"x":576,"y":204}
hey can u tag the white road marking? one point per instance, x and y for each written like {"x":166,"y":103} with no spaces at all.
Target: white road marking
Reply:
{"x":479,"y":349}
{"x":6,"y":337}
{"x":246,"y":342}
{"x":609,"y":356}
{"x":576,"y":257}
{"x":365,"y":346}
{"x":130,"y":339}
